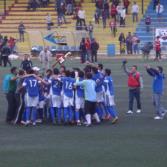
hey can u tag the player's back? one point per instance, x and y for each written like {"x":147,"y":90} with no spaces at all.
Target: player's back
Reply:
{"x":68,"y":84}
{"x":32,"y":87}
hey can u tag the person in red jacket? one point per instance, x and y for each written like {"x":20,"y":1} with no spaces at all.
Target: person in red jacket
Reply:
{"x":135,"y":83}
{"x":113,"y":11}
{"x":157,"y":46}
{"x":88,"y":48}
{"x":126,"y":5}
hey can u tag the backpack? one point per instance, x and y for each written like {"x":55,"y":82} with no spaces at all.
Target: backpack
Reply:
{"x":5,"y":83}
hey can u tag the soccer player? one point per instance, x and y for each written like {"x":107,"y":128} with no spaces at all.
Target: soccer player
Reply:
{"x":135,"y":83}
{"x":98,"y":77}
{"x":68,"y":96}
{"x":31,"y":97}
{"x":158,"y":89}
{"x":55,"y":93}
{"x":109,"y":96}
{"x":89,"y":86}
{"x":79,"y":99}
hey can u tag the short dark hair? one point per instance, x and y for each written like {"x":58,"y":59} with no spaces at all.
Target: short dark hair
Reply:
{"x":21,"y":72}
{"x":94,"y":70}
{"x":13,"y":69}
{"x":30,"y":71}
{"x":89,"y":75}
{"x":160,"y":69}
{"x":55,"y":71}
{"x":135,"y":66}
{"x":67,"y":73}
{"x":100,"y":66}
{"x":72,"y":74}
{"x":108,"y":71}
{"x":48,"y":70}
{"x":81,"y":74}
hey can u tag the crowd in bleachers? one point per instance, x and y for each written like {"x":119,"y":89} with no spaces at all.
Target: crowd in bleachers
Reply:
{"x":34,"y":4}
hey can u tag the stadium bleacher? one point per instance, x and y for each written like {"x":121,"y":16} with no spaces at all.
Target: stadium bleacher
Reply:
{"x":35,"y":21}
{"x":155,"y":23}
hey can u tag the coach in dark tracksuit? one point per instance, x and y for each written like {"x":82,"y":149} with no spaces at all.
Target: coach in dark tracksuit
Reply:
{"x":134,"y":84}
{"x":10,"y":96}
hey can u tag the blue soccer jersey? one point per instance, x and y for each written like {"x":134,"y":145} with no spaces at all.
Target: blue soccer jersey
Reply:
{"x":80,"y":89}
{"x":68,"y":84}
{"x":99,"y":79}
{"x":41,"y":92}
{"x":32,"y":87}
{"x":56,"y":87}
{"x":108,"y":84}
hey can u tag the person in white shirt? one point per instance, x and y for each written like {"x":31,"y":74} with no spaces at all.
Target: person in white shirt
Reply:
{"x":45,"y":57}
{"x":135,"y":11}
{"x":122,"y":16}
{"x":81,"y":18}
{"x":48,"y":21}
{"x":159,"y":11}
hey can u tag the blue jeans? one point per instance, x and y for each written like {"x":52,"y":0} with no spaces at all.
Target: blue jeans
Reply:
{"x":159,"y":109}
{"x":135,"y":17}
{"x":134,"y":94}
{"x":135,"y":49}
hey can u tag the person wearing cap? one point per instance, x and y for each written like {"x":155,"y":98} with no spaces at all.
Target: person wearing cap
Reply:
{"x":158,"y":90}
{"x":45,"y":57}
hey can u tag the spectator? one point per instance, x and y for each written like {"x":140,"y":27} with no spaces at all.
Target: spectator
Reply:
{"x":81,"y":18}
{"x":90,"y":30}
{"x":99,"y":7}
{"x":88,"y":48}
{"x":107,"y":8}
{"x":122,"y":17}
{"x":69,"y":7}
{"x":26,"y":64}
{"x":135,"y":11}
{"x":12,"y":44}
{"x":96,"y":17}
{"x":5,"y":55}
{"x":48,"y":21}
{"x":94,"y":49}
{"x":135,"y":44}
{"x":122,"y":43}
{"x":155,"y":4}
{"x":148,"y":23}
{"x":45,"y":57}
{"x":157,"y":46}
{"x":83,"y":50}
{"x":104,"y":18}
{"x":113,"y":11}
{"x":159,"y":11}
{"x":119,"y":8}
{"x":126,"y":5}
{"x":21,"y":30}
{"x":113,"y":27}
{"x":129,"y":43}
{"x":61,"y":14}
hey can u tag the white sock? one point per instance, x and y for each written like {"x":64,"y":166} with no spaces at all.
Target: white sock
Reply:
{"x":96,"y":117}
{"x":88,"y":119}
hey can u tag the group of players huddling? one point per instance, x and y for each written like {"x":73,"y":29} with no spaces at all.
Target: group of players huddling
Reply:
{"x":77,"y":97}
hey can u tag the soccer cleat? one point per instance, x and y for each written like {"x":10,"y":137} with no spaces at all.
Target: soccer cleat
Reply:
{"x":28,"y":123}
{"x":157,"y":118}
{"x":130,"y":112}
{"x":115,"y":120}
{"x":138,"y":111}
{"x":79,"y":123}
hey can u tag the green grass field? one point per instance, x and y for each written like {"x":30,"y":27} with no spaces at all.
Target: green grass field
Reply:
{"x":136,"y":141}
